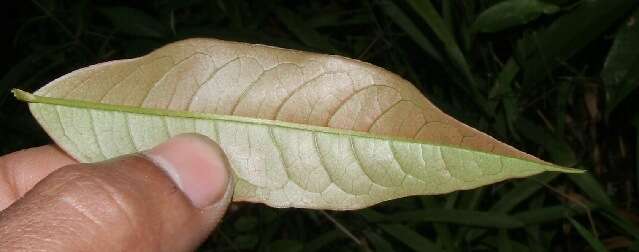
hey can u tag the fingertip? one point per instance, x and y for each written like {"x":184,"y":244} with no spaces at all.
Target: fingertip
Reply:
{"x":197,"y":165}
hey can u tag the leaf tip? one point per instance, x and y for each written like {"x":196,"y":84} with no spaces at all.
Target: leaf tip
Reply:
{"x":23,"y":95}
{"x":565,"y":170}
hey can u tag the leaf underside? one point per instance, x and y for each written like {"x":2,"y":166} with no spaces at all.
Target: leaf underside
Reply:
{"x":300,"y":129}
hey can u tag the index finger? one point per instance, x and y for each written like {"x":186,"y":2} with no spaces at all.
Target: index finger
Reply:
{"x":21,"y":170}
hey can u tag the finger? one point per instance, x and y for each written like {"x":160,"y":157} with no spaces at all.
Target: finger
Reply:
{"x":167,"y":199}
{"x":20,"y":171}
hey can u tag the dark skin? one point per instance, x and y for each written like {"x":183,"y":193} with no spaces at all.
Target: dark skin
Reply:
{"x":166,"y":199}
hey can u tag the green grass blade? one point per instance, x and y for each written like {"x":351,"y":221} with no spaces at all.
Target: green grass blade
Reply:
{"x":503,"y":88}
{"x":621,"y":222}
{"x":549,"y":214}
{"x":405,"y":23}
{"x":494,"y":243}
{"x":323,"y":240}
{"x":505,"y":78}
{"x":444,"y":234}
{"x":595,"y":243}
{"x":558,"y":149}
{"x":447,"y":13}
{"x":427,"y":12}
{"x":591,"y":187}
{"x":505,"y":244}
{"x":307,"y":34}
{"x":621,"y":69}
{"x":410,"y":238}
{"x":371,"y":215}
{"x":470,"y":200}
{"x":378,"y":242}
{"x":533,"y":232}
{"x":543,"y":51}
{"x":521,"y":192}
{"x":460,"y":217}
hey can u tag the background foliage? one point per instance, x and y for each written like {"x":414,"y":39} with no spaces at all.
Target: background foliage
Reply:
{"x":556,"y":78}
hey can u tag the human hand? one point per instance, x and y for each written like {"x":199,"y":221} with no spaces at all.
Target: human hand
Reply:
{"x":166,"y":199}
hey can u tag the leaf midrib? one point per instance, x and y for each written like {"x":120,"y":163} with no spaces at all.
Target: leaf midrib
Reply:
{"x":31,"y":98}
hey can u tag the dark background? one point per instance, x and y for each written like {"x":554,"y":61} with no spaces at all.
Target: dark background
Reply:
{"x":556,"y":78}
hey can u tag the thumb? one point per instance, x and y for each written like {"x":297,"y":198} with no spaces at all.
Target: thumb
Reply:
{"x":168,"y":198}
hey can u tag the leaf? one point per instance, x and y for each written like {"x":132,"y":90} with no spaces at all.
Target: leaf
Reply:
{"x":510,"y":13}
{"x":621,"y":69}
{"x":300,"y":129}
